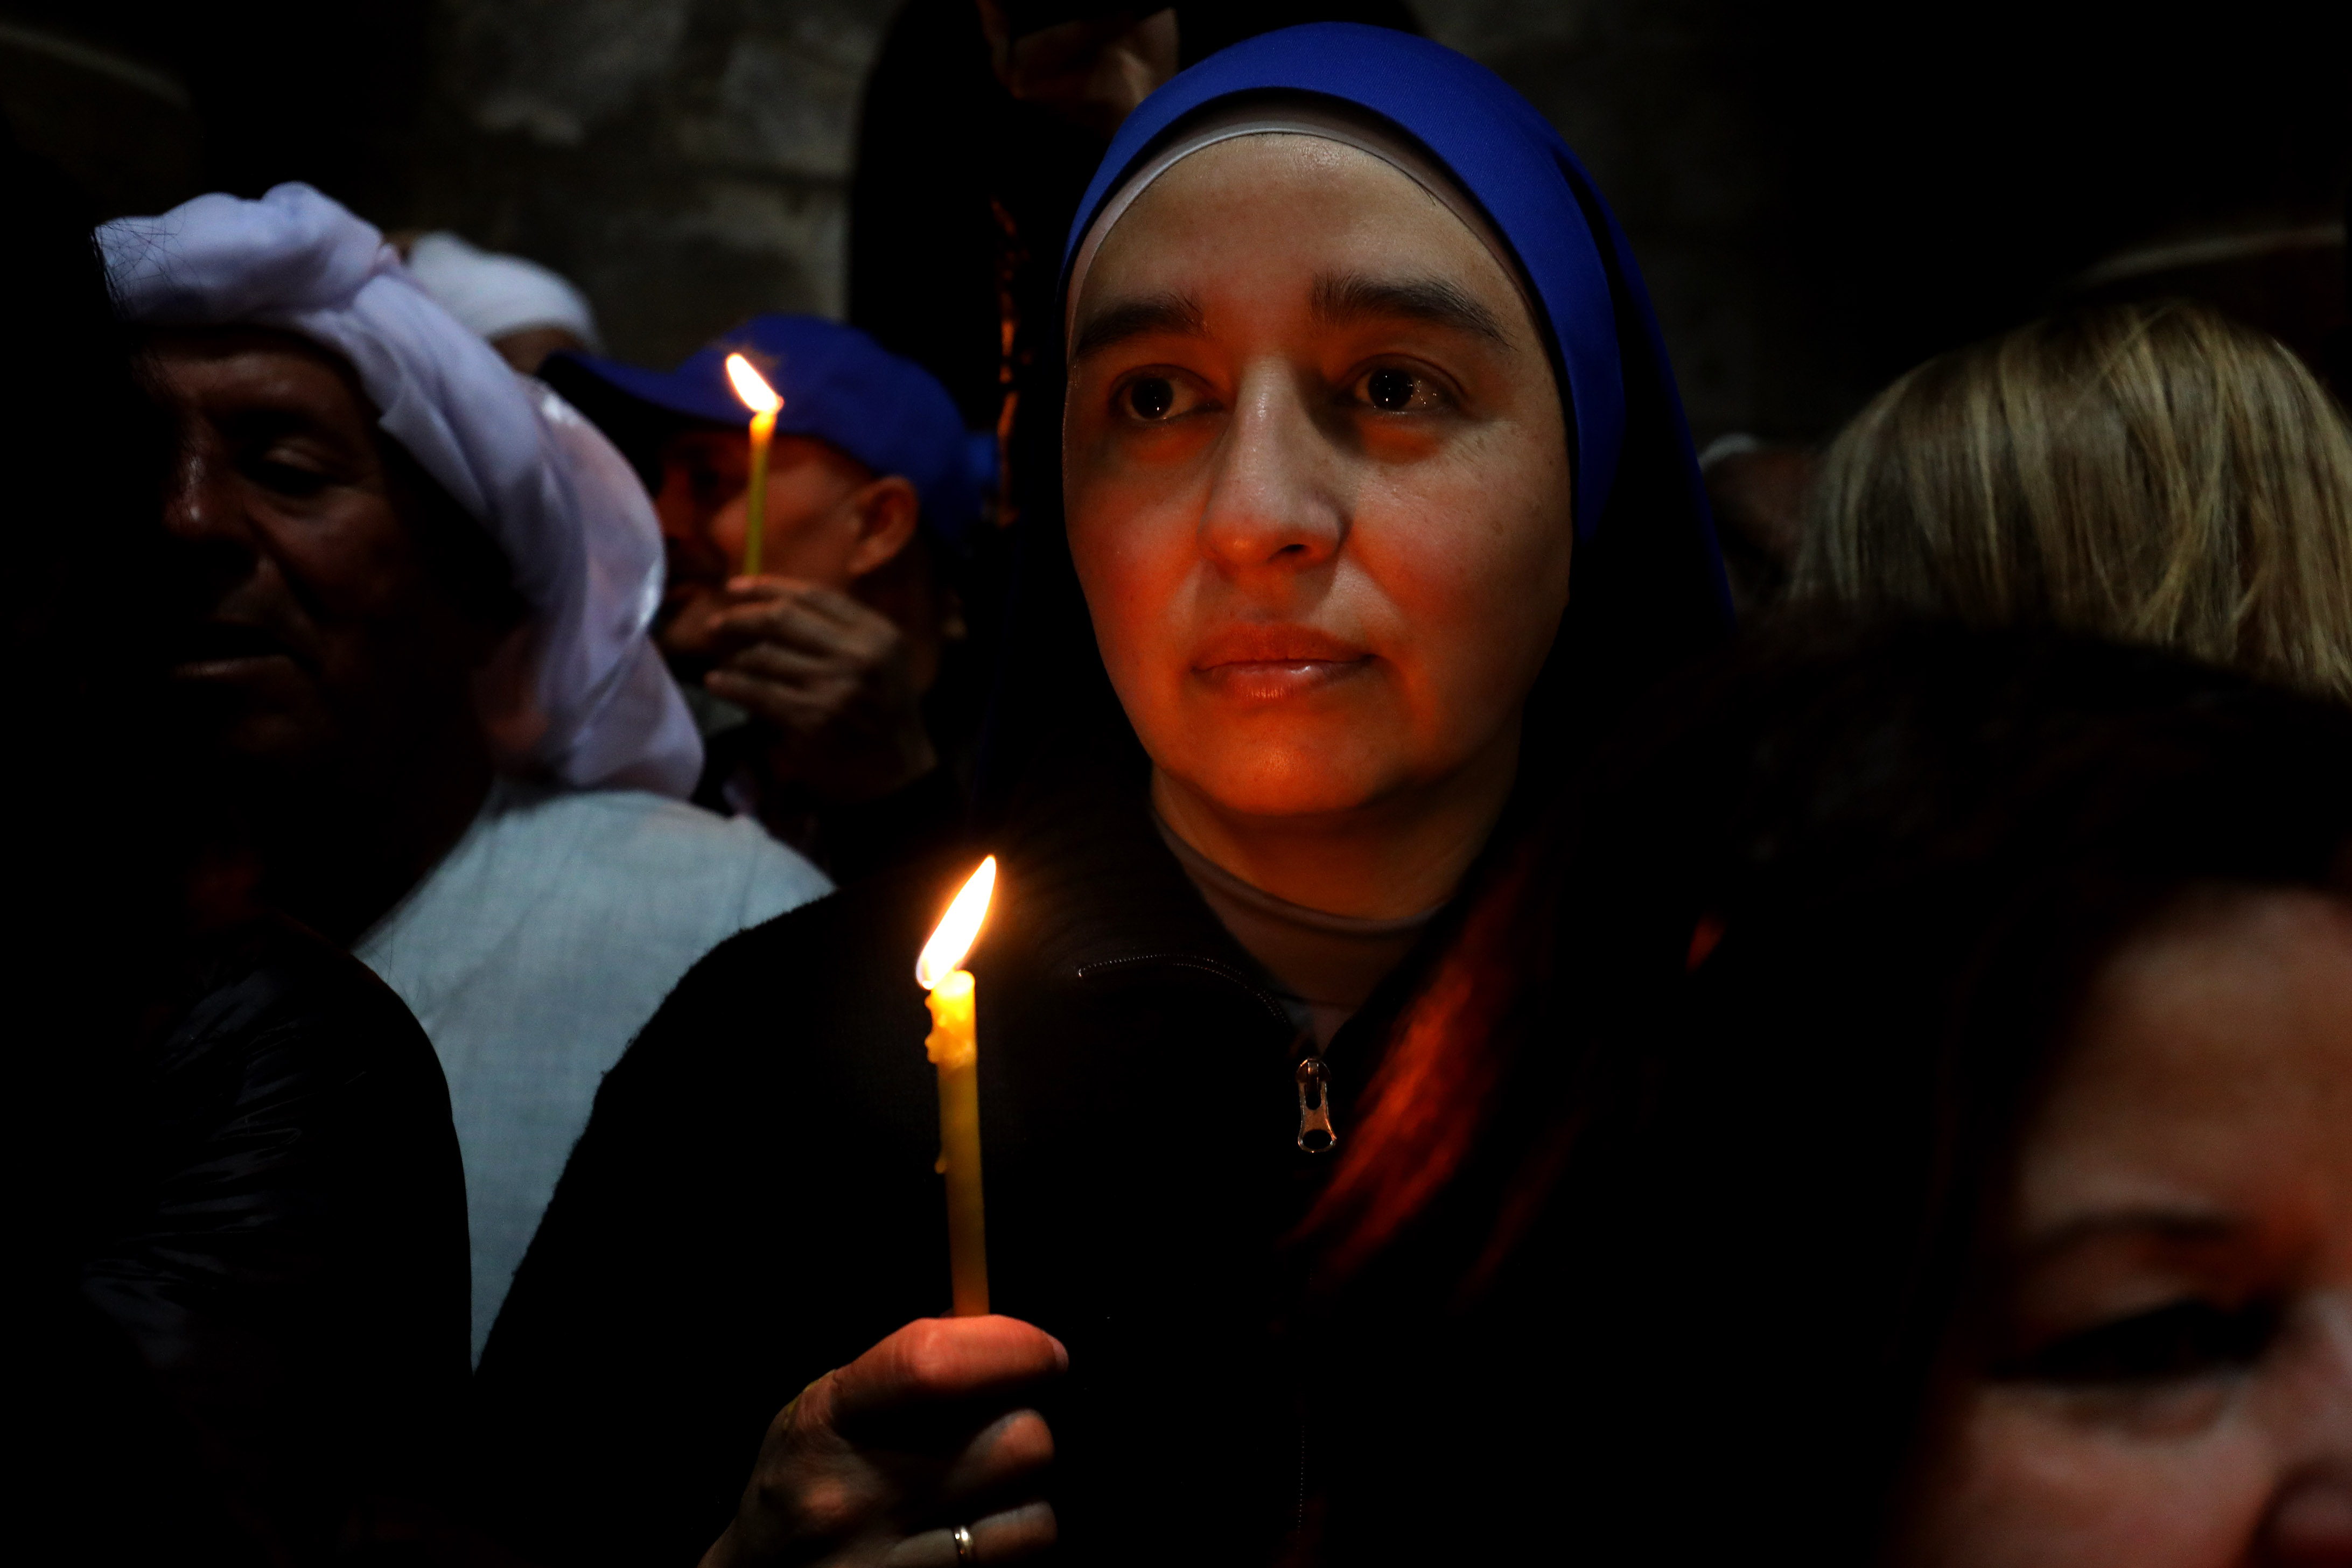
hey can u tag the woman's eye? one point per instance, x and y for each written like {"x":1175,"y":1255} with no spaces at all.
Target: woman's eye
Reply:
{"x":1394,"y":390}
{"x":1148,"y":396}
{"x":2187,"y":1339}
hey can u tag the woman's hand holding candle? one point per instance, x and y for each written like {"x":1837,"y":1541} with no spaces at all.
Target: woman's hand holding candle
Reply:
{"x":879,"y":1461}
{"x":928,"y":1433}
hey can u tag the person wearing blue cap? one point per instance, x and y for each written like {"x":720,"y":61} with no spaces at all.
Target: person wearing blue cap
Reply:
{"x":1362,"y":382}
{"x":829,"y":687}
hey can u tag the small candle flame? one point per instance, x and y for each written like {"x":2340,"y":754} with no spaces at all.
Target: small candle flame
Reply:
{"x":958,"y":928}
{"x":751,"y":387}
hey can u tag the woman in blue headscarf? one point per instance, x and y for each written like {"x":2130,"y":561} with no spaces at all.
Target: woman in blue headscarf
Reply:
{"x":1377,"y":493}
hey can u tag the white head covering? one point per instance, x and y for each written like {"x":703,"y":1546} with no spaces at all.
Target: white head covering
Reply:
{"x":582,"y":696}
{"x":493,"y":294}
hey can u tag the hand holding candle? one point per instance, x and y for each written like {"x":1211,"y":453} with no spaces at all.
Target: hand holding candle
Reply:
{"x":761,"y":400}
{"x":954,"y":1048}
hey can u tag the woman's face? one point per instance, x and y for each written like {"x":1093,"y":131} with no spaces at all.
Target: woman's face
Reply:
{"x":1317,"y":483}
{"x":2170,"y":1379}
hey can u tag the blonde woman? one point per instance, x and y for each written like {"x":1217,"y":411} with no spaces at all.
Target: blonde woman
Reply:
{"x":2154,"y":473}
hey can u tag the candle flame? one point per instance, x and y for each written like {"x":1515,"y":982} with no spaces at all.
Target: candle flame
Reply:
{"x":751,"y":387}
{"x":958,"y":928}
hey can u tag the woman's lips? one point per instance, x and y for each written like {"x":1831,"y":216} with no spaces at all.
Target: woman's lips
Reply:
{"x":1268,"y":663}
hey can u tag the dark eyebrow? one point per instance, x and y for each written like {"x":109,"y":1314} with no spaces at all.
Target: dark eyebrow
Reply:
{"x":1172,"y":314}
{"x":1354,"y":296}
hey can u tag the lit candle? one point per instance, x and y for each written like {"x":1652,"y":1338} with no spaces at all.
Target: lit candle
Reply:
{"x":761,"y":400}
{"x":954,"y":1048}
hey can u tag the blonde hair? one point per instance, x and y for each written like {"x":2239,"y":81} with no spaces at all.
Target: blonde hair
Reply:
{"x":2150,"y":473}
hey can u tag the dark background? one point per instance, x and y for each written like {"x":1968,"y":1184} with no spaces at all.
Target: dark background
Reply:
{"x":1821,"y":194}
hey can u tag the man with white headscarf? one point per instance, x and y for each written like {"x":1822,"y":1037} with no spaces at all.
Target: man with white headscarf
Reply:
{"x":415,"y":652}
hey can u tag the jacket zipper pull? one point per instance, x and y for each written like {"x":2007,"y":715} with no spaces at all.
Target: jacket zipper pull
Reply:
{"x":1316,"y":1133}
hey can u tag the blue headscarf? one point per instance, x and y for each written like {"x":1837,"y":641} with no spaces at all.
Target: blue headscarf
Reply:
{"x":1646,"y":588}
{"x":1586,"y":292}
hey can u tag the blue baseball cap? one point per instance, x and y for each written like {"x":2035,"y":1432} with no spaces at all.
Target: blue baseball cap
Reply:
{"x":841,"y":387}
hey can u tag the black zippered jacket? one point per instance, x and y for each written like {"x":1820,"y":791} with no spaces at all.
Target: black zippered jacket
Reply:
{"x":754,"y":1202}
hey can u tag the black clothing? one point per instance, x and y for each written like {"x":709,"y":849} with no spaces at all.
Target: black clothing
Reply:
{"x":754,"y":1204}
{"x":117,"y":1470}
{"x":957,"y":207}
{"x":271,"y":1222}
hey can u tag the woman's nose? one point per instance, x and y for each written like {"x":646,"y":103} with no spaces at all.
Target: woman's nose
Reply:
{"x":1278,"y":500}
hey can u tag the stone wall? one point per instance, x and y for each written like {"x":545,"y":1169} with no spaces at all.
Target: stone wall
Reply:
{"x":1820,"y":191}
{"x":686,"y":161}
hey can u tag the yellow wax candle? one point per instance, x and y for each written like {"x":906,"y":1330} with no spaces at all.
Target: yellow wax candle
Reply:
{"x":955,"y":1053}
{"x":755,"y":494}
{"x":762,"y":400}
{"x":953,"y":1047}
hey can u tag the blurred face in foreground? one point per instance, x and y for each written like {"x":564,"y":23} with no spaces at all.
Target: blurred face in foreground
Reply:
{"x":2168,"y":1381}
{"x":1318,"y":483}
